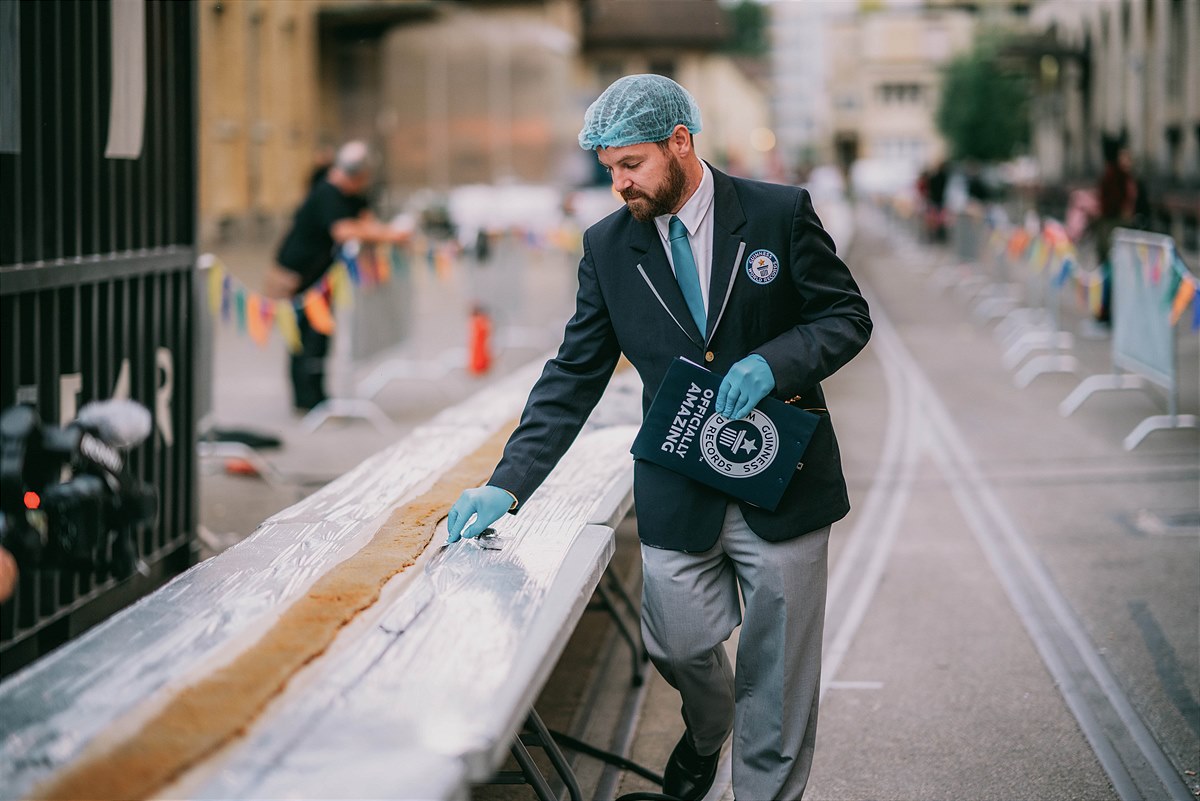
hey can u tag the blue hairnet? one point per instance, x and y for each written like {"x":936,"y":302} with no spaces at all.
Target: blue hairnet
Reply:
{"x":635,"y":109}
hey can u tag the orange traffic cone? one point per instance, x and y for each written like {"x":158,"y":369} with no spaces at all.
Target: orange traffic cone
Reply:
{"x":479,"y":345}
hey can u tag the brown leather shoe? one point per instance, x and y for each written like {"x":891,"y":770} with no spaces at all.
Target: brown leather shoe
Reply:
{"x":689,"y":775}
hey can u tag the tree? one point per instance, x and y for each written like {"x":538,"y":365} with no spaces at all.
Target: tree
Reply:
{"x":748,"y":19}
{"x":984,"y":110}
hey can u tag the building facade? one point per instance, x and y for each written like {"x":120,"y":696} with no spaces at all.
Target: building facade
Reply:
{"x":885,"y":83}
{"x":258,"y":110}
{"x":800,"y":70}
{"x":447,"y":93}
{"x":1118,"y":68}
{"x":683,"y":40}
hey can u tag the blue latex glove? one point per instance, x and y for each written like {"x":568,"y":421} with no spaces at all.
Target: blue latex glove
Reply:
{"x":488,"y":504}
{"x":746,"y":383}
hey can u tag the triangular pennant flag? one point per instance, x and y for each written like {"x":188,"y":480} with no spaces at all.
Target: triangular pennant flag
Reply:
{"x":1064,"y":272}
{"x":1183,"y":296}
{"x":339,"y":287}
{"x":1173,"y":283}
{"x":387,"y":266}
{"x":351,"y":263}
{"x":1048,"y":256}
{"x":316,"y":309}
{"x":239,"y":296}
{"x":255,"y":323}
{"x":1096,"y":295}
{"x":216,"y":280}
{"x":285,"y":320}
{"x":267,"y":310}
{"x":1156,"y":261}
{"x":1034,"y":253}
{"x":366,"y":264}
{"x":226,"y":296}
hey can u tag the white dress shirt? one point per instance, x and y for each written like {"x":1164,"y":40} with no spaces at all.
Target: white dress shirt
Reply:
{"x":697,"y":217}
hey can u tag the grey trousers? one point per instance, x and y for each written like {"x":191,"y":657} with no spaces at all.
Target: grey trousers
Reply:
{"x":690,"y":607}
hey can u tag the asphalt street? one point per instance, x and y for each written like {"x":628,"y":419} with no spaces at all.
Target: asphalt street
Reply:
{"x":1013,"y":602}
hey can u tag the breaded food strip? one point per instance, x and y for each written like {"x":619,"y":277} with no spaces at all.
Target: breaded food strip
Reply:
{"x":204,"y":716}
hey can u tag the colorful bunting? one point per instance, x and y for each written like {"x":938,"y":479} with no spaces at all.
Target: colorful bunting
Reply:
{"x":358,"y":266}
{"x":1064,"y":271}
{"x":216,"y":280}
{"x":1183,"y":296}
{"x":1168,"y":297}
{"x":256,"y":322}
{"x":1096,"y":294}
{"x":316,"y":311}
{"x":226,"y":296}
{"x":240,"y":305}
{"x":285,"y":320}
{"x":366,"y":265}
{"x":340,"y":289}
{"x":350,"y":259}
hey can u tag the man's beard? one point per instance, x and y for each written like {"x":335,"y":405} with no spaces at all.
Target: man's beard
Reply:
{"x":665,"y":198}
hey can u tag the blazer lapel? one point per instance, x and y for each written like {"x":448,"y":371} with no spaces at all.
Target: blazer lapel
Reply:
{"x":655,"y":270}
{"x":728,"y":248}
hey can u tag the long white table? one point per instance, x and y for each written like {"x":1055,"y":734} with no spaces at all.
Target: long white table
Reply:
{"x":419,"y":696}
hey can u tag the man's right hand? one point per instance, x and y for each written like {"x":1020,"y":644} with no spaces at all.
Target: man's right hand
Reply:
{"x":488,"y":504}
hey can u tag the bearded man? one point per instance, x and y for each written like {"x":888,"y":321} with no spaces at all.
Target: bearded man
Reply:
{"x":738,"y":276}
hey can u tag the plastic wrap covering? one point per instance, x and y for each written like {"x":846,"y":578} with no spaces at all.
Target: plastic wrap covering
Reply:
{"x":419,"y":694}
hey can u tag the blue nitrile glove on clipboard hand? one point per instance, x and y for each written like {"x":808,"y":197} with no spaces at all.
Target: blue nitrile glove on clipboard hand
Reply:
{"x":750,"y":454}
{"x":747,"y":382}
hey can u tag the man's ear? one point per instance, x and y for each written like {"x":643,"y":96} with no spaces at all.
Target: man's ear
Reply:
{"x":681,"y":140}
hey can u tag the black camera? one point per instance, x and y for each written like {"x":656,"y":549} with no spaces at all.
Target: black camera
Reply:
{"x":67,"y":498}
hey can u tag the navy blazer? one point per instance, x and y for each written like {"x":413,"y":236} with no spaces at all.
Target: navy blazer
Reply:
{"x":795,"y":305}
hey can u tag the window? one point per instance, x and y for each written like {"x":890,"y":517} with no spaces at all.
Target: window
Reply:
{"x":899,"y":93}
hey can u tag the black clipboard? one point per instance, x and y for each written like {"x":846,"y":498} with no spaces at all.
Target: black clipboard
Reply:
{"x":752,"y":459}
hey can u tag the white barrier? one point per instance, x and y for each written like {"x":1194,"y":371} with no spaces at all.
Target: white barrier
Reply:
{"x":1037,"y":327}
{"x":1143,"y":337}
{"x":374,"y":320}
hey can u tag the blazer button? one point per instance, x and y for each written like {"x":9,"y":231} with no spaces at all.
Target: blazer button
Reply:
{"x":709,"y":356}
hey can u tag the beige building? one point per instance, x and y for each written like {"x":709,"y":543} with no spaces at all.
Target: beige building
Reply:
{"x":885,"y":81}
{"x":258,"y":108}
{"x":446,"y":93}
{"x":477,"y":95}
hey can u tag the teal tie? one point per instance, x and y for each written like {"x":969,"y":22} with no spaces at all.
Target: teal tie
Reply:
{"x":685,"y":271}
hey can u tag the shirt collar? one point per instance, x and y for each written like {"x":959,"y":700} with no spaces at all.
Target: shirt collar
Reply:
{"x":694,"y":210}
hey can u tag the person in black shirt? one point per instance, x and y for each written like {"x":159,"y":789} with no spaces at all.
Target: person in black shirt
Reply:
{"x":335,"y":211}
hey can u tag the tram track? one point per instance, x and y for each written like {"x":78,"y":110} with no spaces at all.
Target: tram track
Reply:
{"x":1127,"y":750}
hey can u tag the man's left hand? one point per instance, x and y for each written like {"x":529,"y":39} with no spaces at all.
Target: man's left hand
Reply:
{"x":746,"y":383}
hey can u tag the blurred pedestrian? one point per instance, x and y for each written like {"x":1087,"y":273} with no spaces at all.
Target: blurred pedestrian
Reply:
{"x":741,"y":277}
{"x":1119,"y":202}
{"x":978,"y":190}
{"x":334,"y":212}
{"x":935,"y":210}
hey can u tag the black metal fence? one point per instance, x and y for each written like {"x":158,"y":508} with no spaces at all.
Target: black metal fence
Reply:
{"x":97,"y":233}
